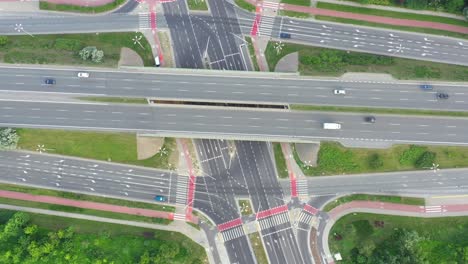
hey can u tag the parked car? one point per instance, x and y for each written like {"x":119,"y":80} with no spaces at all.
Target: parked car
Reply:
{"x":369,"y":119}
{"x":442,"y":95}
{"x":83,"y":74}
{"x":426,"y":86}
{"x":160,"y":198}
{"x":285,"y":35}
{"x":339,"y":91}
{"x":49,"y":81}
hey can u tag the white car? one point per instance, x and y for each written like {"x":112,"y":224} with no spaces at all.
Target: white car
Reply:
{"x":83,"y":74}
{"x":339,"y":91}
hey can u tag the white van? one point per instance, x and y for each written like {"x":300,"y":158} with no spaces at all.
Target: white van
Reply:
{"x":331,"y":126}
{"x":156,"y":61}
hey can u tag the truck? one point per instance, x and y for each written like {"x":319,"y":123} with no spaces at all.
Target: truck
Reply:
{"x":331,"y":126}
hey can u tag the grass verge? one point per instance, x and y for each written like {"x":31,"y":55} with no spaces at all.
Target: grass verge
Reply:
{"x":80,"y":9}
{"x":165,"y":41}
{"x":199,"y":5}
{"x":293,"y":14}
{"x":280,"y":161}
{"x":393,"y":14}
{"x":378,"y":198}
{"x":378,"y":238}
{"x":85,"y":197}
{"x":331,"y":62}
{"x":403,"y":28}
{"x":297,"y":2}
{"x":70,"y":239}
{"x":253,"y":58}
{"x":194,"y":225}
{"x":258,"y":249}
{"x":245,"y":207}
{"x":245,"y":5}
{"x":334,"y":159}
{"x":396,"y":111}
{"x":63,"y":49}
{"x":94,"y":145}
{"x":77,"y":210}
{"x":123,"y":100}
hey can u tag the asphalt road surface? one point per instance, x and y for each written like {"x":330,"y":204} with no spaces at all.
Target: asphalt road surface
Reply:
{"x":244,"y":124}
{"x":239,"y":88}
{"x":345,"y":37}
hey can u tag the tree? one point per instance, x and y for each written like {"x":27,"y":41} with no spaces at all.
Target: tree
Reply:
{"x":8,"y":138}
{"x":426,"y":160}
{"x":454,"y":6}
{"x":375,"y":161}
{"x":86,"y":52}
{"x":3,"y":40}
{"x":465,"y":12}
{"x":97,"y":55}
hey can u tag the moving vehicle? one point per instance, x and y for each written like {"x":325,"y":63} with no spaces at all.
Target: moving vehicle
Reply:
{"x":49,"y":81}
{"x":285,"y":35}
{"x":426,"y":86}
{"x":339,"y":91}
{"x":160,"y":198}
{"x":442,"y":95}
{"x":156,"y":61}
{"x":83,"y":74}
{"x":331,"y":126}
{"x":369,"y":119}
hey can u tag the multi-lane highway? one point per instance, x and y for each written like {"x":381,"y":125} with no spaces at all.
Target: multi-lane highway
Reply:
{"x":345,"y":37}
{"x":245,"y":124}
{"x":238,"y":87}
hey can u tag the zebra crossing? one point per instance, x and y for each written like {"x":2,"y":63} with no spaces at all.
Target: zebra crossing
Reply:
{"x":181,"y":191}
{"x":144,"y":21}
{"x":266,"y":26}
{"x":233,"y":233}
{"x":305,"y":218}
{"x":274,"y":220}
{"x":180,"y":217}
{"x":302,"y":189}
{"x":270,"y":5}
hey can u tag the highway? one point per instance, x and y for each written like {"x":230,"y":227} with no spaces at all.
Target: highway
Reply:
{"x":345,"y":37}
{"x":244,"y":124}
{"x":238,"y":87}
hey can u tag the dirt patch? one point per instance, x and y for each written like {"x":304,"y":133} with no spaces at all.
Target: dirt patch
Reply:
{"x":288,"y":63}
{"x":129,"y":57}
{"x":308,"y":152}
{"x":147,"y":147}
{"x":166,"y":48}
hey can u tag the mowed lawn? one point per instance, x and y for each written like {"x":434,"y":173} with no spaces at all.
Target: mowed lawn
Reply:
{"x":63,"y":49}
{"x":331,"y":62}
{"x":115,"y":147}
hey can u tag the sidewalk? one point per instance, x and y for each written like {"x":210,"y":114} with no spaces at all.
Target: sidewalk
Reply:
{"x":90,"y":205}
{"x":396,"y":9}
{"x":373,"y":19}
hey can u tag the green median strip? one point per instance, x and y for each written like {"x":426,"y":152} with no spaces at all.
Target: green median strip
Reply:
{"x":123,"y":100}
{"x":368,"y":110}
{"x":198,"y":5}
{"x":392,"y":14}
{"x":80,"y":9}
{"x":245,"y":5}
{"x":297,"y":2}
{"x":376,"y":198}
{"x":258,"y":248}
{"x":293,"y":14}
{"x":403,"y":28}
{"x":280,"y":161}
{"x":85,"y":197}
{"x":253,"y":58}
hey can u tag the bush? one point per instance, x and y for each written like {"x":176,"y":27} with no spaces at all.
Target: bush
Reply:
{"x":334,"y":159}
{"x":67,"y":44}
{"x":416,"y":4}
{"x":411,"y":155}
{"x":425,"y":160}
{"x":454,"y":6}
{"x":8,"y":138}
{"x":91,"y":53}
{"x":3,"y":40}
{"x":375,"y":161}
{"x":465,"y":12}
{"x":366,"y":59}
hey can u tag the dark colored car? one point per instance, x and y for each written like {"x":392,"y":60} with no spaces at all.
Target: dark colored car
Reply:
{"x":369,"y":119}
{"x":285,"y":35}
{"x":442,"y":95}
{"x":49,"y":81}
{"x":426,"y":86}
{"x":160,"y":198}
